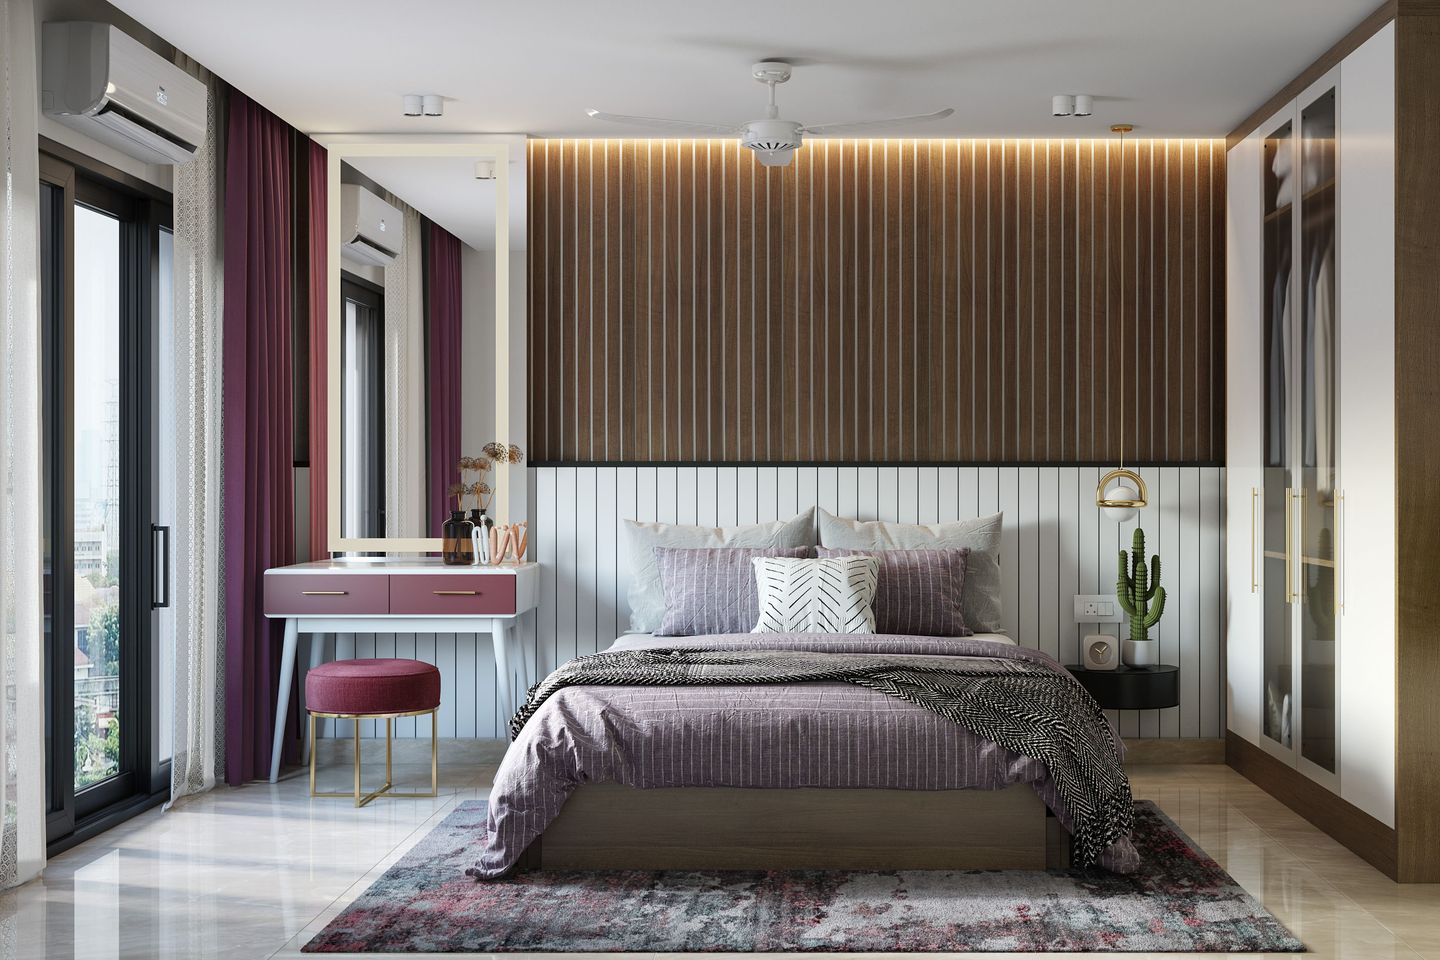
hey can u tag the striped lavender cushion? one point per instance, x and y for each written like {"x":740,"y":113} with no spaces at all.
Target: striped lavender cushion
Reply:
{"x":712,"y":590}
{"x":919,"y":592}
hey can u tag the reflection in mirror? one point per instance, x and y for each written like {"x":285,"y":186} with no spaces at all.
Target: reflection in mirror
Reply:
{"x":417,"y":290}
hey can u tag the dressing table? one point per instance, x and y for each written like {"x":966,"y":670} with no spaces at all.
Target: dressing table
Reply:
{"x":368,"y":595}
{"x":397,"y":428}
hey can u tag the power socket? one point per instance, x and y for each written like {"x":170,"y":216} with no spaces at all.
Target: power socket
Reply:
{"x":1096,"y":608}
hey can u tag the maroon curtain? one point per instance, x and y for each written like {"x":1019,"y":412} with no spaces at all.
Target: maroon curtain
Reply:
{"x":319,"y":357}
{"x":259,"y":507}
{"x":442,"y":363}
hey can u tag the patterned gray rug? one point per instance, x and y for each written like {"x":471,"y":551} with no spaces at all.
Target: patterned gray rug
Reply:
{"x":1179,"y":901}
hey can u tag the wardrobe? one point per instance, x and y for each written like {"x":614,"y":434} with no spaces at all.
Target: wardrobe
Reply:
{"x":1323,"y":293}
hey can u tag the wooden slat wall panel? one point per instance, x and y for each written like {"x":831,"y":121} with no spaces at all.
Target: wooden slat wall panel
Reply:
{"x":877,"y":301}
{"x":1055,"y":544}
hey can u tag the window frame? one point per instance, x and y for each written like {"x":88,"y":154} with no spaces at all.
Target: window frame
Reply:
{"x":372,"y":295}
{"x":143,"y":211}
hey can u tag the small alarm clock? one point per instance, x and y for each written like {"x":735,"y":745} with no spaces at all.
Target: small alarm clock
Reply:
{"x":1101,"y":652}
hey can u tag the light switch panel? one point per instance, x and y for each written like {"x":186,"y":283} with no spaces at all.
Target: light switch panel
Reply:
{"x":1097,"y":608}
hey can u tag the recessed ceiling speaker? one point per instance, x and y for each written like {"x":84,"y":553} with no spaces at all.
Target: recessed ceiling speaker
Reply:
{"x":1062,"y":105}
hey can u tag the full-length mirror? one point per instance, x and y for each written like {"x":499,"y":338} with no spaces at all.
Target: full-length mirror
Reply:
{"x":419,"y":235}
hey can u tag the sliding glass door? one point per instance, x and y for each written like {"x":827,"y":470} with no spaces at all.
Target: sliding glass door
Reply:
{"x":97,"y":534}
{"x":101,"y":295}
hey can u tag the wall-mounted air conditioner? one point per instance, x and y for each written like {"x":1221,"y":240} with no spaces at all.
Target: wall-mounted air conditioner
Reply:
{"x":115,"y":89}
{"x":371,"y":231}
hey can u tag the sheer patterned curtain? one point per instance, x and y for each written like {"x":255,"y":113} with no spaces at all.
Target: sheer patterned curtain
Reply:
{"x":199,"y":727}
{"x":405,"y":441}
{"x":22,"y":764}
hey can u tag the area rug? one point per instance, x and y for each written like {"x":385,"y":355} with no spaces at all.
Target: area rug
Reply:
{"x":1179,"y":901}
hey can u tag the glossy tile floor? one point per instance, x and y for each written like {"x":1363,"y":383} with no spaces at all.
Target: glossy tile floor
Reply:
{"x":255,"y":872}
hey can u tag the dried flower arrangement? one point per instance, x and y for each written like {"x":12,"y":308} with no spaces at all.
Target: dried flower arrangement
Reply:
{"x":501,"y":453}
{"x":472,"y":490}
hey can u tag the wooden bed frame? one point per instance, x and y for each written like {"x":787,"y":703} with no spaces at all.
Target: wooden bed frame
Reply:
{"x":609,"y":826}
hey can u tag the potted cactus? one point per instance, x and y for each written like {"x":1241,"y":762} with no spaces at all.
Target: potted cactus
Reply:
{"x":1143,"y":600}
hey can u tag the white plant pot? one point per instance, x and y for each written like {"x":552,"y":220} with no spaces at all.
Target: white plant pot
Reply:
{"x":1141,"y":653}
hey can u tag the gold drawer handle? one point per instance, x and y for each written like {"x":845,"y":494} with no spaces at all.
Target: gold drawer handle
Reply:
{"x":454,"y":593}
{"x":324,"y":593}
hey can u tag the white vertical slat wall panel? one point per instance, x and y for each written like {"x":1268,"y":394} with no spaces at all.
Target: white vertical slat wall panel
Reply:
{"x":1056,"y":544}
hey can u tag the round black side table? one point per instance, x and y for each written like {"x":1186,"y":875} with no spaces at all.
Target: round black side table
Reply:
{"x":1131,"y":688}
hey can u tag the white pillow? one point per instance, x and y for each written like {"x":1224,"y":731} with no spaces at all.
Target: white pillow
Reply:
{"x":647,"y":597}
{"x":980,"y":599}
{"x":835,"y":595}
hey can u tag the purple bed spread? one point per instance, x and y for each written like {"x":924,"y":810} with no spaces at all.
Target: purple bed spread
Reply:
{"x":768,"y":736}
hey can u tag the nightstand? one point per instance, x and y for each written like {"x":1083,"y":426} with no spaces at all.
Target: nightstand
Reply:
{"x":1131,"y":688}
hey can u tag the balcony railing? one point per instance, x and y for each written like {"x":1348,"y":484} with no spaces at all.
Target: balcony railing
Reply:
{"x":100,"y":694}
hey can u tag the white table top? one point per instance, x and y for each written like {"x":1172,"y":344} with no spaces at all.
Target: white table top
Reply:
{"x":386,"y":566}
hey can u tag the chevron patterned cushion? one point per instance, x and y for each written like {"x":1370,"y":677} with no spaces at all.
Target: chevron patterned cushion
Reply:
{"x":816,"y":596}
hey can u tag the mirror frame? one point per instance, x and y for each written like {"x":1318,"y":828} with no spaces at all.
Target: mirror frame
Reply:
{"x":337,"y":152}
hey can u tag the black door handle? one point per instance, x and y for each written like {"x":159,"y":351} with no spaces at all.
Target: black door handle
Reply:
{"x":164,"y":566}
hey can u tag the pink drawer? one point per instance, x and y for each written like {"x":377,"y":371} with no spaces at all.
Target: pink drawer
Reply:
{"x":455,"y":594}
{"x":319,"y":594}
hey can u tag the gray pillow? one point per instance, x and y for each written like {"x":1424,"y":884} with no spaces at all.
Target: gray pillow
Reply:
{"x":647,"y":597}
{"x":712,"y":590}
{"x":981,"y":598}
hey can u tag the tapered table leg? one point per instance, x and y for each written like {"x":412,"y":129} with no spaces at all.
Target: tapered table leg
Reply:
{"x":282,"y":699}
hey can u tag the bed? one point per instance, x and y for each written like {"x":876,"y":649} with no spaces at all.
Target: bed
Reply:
{"x":806,"y":775}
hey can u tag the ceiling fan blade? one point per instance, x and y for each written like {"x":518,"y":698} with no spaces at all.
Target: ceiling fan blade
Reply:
{"x":825,"y":129}
{"x":663,"y":123}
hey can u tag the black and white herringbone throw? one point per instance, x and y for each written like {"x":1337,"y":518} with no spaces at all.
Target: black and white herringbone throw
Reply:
{"x":1022,"y":706}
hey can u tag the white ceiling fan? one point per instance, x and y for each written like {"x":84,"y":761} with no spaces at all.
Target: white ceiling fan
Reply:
{"x":773,"y":140}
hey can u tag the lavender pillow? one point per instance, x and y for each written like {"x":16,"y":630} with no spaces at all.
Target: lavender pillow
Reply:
{"x":920,"y":591}
{"x":712,"y":590}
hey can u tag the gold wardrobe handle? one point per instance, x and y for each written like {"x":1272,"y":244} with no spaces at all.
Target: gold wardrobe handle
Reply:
{"x":1254,"y":581}
{"x":1289,"y":537}
{"x":324,"y":593}
{"x":454,"y":593}
{"x":1300,"y":543}
{"x":1340,"y":554}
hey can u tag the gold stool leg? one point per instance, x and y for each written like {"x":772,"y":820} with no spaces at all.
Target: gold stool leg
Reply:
{"x":358,"y":801}
{"x":312,"y":754}
{"x":361,"y":799}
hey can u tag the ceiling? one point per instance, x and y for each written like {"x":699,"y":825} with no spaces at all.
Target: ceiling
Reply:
{"x":1171,"y":67}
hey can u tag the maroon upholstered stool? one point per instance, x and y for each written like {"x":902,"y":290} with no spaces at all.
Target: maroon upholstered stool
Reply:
{"x":373,"y":690}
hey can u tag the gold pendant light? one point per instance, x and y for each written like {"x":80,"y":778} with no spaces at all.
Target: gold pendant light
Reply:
{"x":1121,"y":492}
